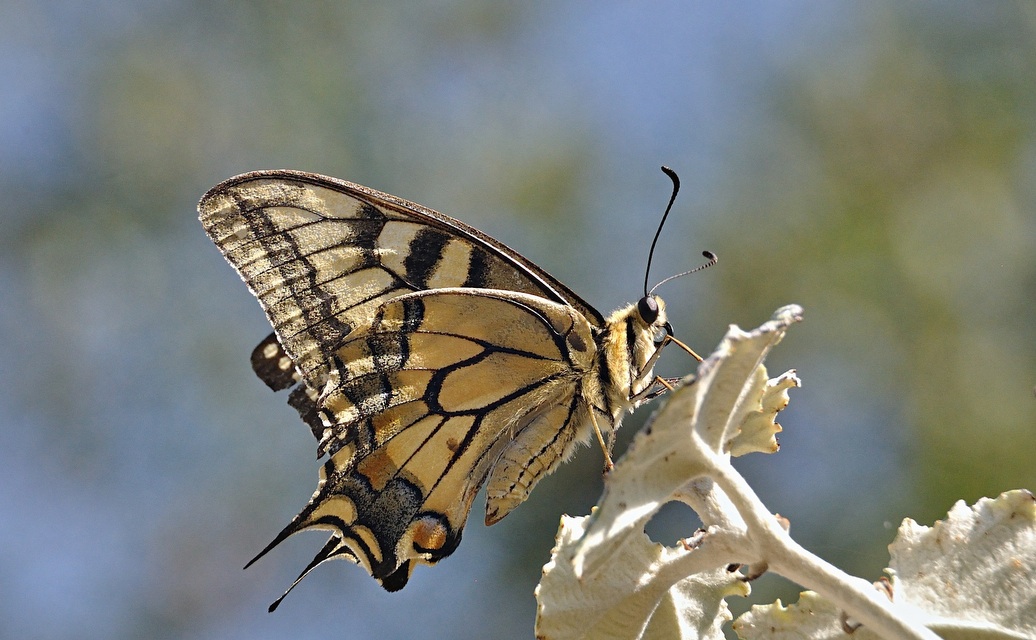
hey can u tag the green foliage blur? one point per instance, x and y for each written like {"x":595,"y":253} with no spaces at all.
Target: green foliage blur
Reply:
{"x":873,"y":162}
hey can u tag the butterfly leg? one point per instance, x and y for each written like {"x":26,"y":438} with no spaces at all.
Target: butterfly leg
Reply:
{"x":657,"y":387}
{"x":605,"y":447}
{"x":673,"y":339}
{"x":658,"y":352}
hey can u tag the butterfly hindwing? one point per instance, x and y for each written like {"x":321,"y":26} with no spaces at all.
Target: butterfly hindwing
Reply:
{"x":423,"y":406}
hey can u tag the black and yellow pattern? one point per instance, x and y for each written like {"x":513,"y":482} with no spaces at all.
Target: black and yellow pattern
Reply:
{"x":426,"y":357}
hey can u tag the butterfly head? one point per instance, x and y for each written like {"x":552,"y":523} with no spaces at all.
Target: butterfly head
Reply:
{"x":651,"y":311}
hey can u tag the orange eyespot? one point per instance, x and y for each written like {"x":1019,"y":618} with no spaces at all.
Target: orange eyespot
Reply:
{"x":429,"y":533}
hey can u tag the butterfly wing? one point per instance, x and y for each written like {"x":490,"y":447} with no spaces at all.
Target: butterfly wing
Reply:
{"x":421,"y":407}
{"x":426,"y":352}
{"x":322,"y":255}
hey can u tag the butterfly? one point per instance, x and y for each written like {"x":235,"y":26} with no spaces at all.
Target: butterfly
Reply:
{"x":427,"y":358}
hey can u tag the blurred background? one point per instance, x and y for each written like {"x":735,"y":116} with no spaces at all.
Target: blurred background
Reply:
{"x":873,"y":162}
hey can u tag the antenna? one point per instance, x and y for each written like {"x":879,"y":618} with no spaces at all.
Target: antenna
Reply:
{"x":651,"y":253}
{"x":710,"y":256}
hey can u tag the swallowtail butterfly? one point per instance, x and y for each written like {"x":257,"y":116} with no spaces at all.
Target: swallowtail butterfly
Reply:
{"x":427,"y":358}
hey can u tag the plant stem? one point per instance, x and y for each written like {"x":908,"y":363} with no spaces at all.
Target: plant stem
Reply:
{"x":855,"y":596}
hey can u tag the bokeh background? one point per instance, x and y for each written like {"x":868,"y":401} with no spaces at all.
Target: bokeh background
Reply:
{"x":873,"y":162}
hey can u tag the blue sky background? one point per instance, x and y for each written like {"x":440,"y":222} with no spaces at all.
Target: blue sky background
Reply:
{"x":872,"y":162}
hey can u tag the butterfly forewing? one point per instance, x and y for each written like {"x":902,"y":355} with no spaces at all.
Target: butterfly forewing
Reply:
{"x":321,"y":255}
{"x":427,"y":357}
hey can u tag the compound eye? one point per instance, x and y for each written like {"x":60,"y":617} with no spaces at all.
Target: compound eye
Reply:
{"x":648,"y":309}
